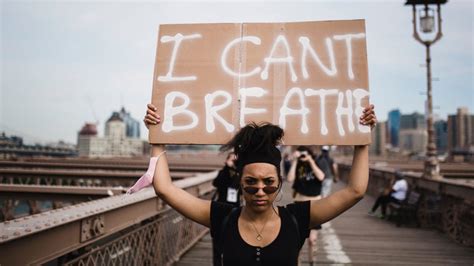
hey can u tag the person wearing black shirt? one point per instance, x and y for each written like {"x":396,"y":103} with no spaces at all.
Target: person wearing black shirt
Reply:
{"x":227,"y":182}
{"x":307,"y":179}
{"x":258,"y":233}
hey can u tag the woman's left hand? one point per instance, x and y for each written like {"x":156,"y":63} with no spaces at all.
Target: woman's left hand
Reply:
{"x":368,"y":117}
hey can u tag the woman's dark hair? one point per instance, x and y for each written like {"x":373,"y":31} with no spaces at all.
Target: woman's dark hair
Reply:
{"x":254,"y":137}
{"x":256,"y":143}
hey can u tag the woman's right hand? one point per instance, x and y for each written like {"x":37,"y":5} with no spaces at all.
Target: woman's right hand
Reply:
{"x":151,"y":117}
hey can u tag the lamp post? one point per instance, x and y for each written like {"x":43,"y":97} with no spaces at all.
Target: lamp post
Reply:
{"x":427,"y":23}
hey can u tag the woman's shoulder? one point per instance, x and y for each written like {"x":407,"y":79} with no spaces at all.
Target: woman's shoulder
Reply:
{"x":298,"y":206}
{"x":220,"y":213}
{"x":221,"y":208}
{"x":298,"y":214}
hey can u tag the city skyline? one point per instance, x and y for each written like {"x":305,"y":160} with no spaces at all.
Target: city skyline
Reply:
{"x":65,"y":63}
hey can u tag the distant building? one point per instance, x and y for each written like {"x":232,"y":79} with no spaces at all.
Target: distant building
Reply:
{"x":88,"y":142}
{"x":461,"y":133}
{"x":13,"y":147}
{"x":10,"y":140}
{"x":412,"y":136}
{"x":441,"y":136}
{"x":132,"y":125}
{"x":413,"y":140}
{"x":116,"y":142}
{"x":393,"y":125}
{"x":413,"y":121}
{"x":379,"y":140}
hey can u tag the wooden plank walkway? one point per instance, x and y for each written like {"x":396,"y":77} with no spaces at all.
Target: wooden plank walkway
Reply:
{"x":356,"y":238}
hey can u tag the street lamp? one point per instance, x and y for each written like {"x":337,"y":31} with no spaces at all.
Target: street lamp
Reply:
{"x":427,"y":23}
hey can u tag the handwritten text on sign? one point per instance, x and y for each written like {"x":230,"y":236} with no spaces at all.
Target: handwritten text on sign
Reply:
{"x":308,"y":77}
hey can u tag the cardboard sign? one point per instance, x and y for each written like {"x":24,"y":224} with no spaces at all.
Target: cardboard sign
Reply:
{"x":308,"y":77}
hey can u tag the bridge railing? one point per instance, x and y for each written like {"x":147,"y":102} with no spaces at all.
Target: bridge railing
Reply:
{"x":137,"y":229}
{"x":446,"y":205}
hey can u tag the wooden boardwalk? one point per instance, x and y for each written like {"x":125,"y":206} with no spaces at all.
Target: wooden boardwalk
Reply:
{"x":356,"y":238}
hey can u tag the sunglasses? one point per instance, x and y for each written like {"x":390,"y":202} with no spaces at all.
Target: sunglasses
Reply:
{"x":267,"y":189}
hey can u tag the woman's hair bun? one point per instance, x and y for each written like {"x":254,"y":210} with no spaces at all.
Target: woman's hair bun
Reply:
{"x":255,"y":137}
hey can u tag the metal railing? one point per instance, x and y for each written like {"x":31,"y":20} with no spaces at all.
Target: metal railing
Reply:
{"x":55,"y":177}
{"x":446,"y":205}
{"x":159,"y":242}
{"x":137,"y":229}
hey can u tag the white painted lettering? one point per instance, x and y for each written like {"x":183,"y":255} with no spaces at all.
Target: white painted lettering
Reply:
{"x":211,"y":111}
{"x":244,"y":110}
{"x":288,"y":59}
{"x":322,"y":104}
{"x":253,"y":39}
{"x":303,"y":111}
{"x":340,"y":111}
{"x":358,"y":95}
{"x":332,"y":71}
{"x":348,"y":38}
{"x":177,"y":39}
{"x":170,"y":111}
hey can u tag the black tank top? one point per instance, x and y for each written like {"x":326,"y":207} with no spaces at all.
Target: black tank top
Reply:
{"x":283,"y":250}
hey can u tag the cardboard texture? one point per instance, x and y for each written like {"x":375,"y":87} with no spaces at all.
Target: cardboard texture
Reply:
{"x":311,"y":78}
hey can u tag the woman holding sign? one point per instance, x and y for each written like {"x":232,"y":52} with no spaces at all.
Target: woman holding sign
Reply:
{"x":260,"y":233}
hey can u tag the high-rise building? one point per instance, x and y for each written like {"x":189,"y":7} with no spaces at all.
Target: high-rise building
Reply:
{"x":441,"y":136}
{"x":132,"y":125}
{"x":379,"y":141}
{"x":393,"y":125}
{"x":413,"y":140}
{"x":413,"y":121}
{"x":461,"y":131}
{"x":412,"y":136}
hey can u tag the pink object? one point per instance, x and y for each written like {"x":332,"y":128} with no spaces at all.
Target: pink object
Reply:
{"x":146,"y":179}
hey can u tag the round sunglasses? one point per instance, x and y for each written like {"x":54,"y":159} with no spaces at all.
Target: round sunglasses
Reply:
{"x":267,"y":189}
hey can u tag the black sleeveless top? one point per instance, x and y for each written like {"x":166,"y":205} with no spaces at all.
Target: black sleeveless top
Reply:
{"x":306,"y":183}
{"x":283,"y":250}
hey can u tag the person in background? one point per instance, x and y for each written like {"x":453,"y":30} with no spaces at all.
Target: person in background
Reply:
{"x":286,"y":165}
{"x":397,"y":194}
{"x":329,"y":168}
{"x":227,"y":182}
{"x":228,"y":191}
{"x":306,"y":177}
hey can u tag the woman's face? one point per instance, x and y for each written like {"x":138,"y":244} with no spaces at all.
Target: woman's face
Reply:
{"x":259,"y":175}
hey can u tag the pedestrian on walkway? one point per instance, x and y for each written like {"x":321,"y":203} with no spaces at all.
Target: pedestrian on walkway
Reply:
{"x":329,"y":168}
{"x":258,"y":232}
{"x":307,"y":179}
{"x":397,"y":194}
{"x":227,"y":182}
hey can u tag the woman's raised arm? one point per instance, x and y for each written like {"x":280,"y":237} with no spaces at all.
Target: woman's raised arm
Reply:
{"x":192,"y":207}
{"x":314,"y":167}
{"x":328,"y":208}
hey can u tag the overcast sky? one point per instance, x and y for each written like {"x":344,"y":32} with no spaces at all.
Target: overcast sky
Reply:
{"x":64,"y":63}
